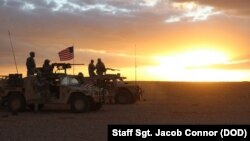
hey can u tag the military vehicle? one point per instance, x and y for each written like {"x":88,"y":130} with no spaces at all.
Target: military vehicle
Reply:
{"x":117,"y":90}
{"x":114,"y":88}
{"x":17,"y":93}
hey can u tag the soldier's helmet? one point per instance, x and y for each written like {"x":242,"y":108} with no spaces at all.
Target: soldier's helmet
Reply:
{"x":80,"y":74}
{"x":46,"y":61}
{"x":32,"y":54}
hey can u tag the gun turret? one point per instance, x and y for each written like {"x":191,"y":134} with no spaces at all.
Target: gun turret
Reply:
{"x":112,"y":69}
{"x":64,"y":66}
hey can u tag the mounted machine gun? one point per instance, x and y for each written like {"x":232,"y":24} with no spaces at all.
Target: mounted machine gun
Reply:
{"x":64,"y":66}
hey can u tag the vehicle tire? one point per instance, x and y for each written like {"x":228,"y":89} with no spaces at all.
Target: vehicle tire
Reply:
{"x":123,"y":96}
{"x":32,"y":107}
{"x":16,"y":103}
{"x":80,"y":104}
{"x":96,"y":106}
{"x":134,"y":99}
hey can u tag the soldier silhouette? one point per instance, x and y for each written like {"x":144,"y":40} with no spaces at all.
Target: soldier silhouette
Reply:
{"x":80,"y":77}
{"x":41,"y":86}
{"x":91,"y":69}
{"x":47,"y":69}
{"x":80,"y":74}
{"x":100,"y":67}
{"x":31,"y":64}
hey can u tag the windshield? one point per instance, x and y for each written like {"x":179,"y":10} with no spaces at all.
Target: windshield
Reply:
{"x":69,"y":81}
{"x":119,"y":81}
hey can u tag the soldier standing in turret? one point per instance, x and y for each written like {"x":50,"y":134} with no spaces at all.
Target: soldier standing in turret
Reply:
{"x":47,"y":69}
{"x":31,"y":64}
{"x":100,"y":67}
{"x":91,"y":69}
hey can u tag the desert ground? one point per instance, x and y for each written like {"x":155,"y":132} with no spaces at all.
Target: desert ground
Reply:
{"x":163,"y":103}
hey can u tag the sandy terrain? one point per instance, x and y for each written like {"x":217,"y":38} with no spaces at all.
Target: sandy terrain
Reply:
{"x":166,"y":103}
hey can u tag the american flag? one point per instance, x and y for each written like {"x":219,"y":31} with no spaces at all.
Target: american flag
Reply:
{"x":66,"y":54}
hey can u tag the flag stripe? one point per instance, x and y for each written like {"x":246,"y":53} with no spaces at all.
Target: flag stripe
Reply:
{"x":66,"y":54}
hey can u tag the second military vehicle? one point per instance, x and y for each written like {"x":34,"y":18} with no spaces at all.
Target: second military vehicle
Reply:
{"x":117,"y":90}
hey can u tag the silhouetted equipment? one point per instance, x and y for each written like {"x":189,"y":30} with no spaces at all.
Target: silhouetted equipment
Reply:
{"x":17,"y":93}
{"x":15,"y":79}
{"x":135,"y":66}
{"x":13,"y":52}
{"x":112,"y":69}
{"x":64,"y":66}
{"x":117,"y":90}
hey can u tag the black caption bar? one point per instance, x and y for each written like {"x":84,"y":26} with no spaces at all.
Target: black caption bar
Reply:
{"x":163,"y":132}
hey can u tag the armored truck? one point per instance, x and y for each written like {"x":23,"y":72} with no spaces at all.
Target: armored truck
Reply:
{"x":117,"y":90}
{"x":34,"y":92}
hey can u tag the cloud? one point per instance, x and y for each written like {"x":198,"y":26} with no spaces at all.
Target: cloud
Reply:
{"x":191,"y":11}
{"x":28,"y":6}
{"x":149,"y":3}
{"x":35,"y":21}
{"x":235,"y":7}
{"x":72,"y":6}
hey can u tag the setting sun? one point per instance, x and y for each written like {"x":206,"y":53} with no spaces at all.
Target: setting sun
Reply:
{"x":192,"y":59}
{"x":197,"y":65}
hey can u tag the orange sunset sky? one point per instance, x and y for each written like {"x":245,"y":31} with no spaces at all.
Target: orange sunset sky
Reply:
{"x":176,"y":40}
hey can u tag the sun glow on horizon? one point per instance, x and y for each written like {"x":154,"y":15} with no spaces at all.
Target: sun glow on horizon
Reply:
{"x":188,"y":67}
{"x":200,"y":65}
{"x":202,"y":57}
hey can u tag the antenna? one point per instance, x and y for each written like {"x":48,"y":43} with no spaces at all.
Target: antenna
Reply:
{"x":13,"y":52}
{"x":135,"y":66}
{"x":73,"y":59}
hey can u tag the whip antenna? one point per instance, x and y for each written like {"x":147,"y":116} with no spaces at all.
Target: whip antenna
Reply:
{"x":135,"y":65}
{"x":13,"y":52}
{"x":73,"y":59}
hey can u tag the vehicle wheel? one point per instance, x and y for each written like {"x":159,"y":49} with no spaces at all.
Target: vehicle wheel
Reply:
{"x":16,"y":103}
{"x":32,"y":107}
{"x":96,"y":106}
{"x":123,"y":97}
{"x":133,"y":100}
{"x":80,"y":104}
